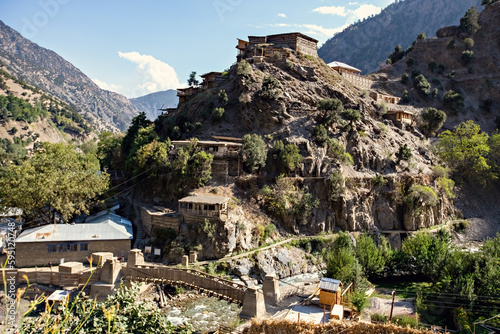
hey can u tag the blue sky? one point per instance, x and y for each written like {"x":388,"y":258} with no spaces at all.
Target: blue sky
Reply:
{"x":136,"y":48}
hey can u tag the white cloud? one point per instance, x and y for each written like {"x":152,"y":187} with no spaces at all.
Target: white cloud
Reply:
{"x":353,"y":3}
{"x":282,"y":15}
{"x":314,"y":29}
{"x":152,"y":74}
{"x":332,"y":10}
{"x":365,"y":11}
{"x":106,"y":86}
{"x":361,"y":12}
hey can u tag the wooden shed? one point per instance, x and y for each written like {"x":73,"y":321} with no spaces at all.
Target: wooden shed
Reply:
{"x":204,"y":206}
{"x":330,"y":291}
{"x":400,"y":116}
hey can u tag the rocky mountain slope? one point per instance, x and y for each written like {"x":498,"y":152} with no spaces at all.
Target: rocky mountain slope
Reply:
{"x":48,"y":71}
{"x":151,"y":103}
{"x":373,"y":187}
{"x":441,"y":61}
{"x":366,"y":44}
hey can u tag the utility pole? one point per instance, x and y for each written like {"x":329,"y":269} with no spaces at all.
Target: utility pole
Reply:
{"x":392,"y":305}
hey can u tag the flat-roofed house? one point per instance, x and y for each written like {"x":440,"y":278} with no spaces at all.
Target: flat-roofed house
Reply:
{"x":210,"y":79}
{"x":344,"y":68}
{"x":400,"y":116}
{"x":195,"y":207}
{"x":56,"y":243}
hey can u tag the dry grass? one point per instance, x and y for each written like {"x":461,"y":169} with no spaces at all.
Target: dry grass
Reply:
{"x":287,"y":327}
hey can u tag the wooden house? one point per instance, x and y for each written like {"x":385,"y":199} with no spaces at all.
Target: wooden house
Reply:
{"x":204,"y":207}
{"x":400,"y":117}
{"x":184,"y":93}
{"x":210,"y":79}
{"x":330,"y":292}
{"x":385,"y":98}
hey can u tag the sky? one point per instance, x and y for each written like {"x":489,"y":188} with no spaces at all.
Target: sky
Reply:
{"x":140,"y":47}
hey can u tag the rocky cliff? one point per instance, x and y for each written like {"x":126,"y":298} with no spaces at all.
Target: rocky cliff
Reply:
{"x":366,"y":44}
{"x":152,"y":103}
{"x":48,"y":71}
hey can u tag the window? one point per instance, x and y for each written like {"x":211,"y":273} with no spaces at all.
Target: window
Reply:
{"x":63,"y":247}
{"x":73,"y":247}
{"x":52,"y":248}
{"x":84,"y":247}
{"x":211,"y":207}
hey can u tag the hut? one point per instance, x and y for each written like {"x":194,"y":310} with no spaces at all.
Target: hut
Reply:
{"x":400,"y":117}
{"x":210,"y":79}
{"x":193,"y":207}
{"x":343,"y":68}
{"x":330,"y":292}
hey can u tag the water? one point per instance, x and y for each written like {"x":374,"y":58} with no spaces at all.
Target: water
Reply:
{"x":205,"y":314}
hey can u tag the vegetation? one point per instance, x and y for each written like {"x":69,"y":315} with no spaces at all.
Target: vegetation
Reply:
{"x":405,"y":78}
{"x":433,"y":120}
{"x":467,"y":151}
{"x":192,"y":81}
{"x":404,"y":153}
{"x":331,"y":109}
{"x":467,"y":56}
{"x":218,"y":113}
{"x":335,"y":183}
{"x":468,"y":42}
{"x":253,"y":152}
{"x":419,"y":196}
{"x":119,"y":313}
{"x":320,"y":135}
{"x":453,"y":101}
{"x":55,"y":181}
{"x":352,"y":115}
{"x":287,"y":157}
{"x":336,"y":150}
{"x":243,"y":68}
{"x":468,"y":23}
{"x":423,"y":86}
{"x":271,"y":88}
{"x":397,"y":55}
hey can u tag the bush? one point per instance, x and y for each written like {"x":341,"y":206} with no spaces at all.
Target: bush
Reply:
{"x":461,"y":225}
{"x":439,"y":171}
{"x":379,"y":181}
{"x":468,"y":23}
{"x":433,"y":120}
{"x":422,"y":85}
{"x":222,"y":97}
{"x":336,"y":150}
{"x":435,"y":93}
{"x":419,"y":195}
{"x":453,"y":101}
{"x":451,"y":44}
{"x":410,"y":62}
{"x":217,"y":113}
{"x":271,"y":88}
{"x":405,"y":78}
{"x":243,"y":68}
{"x":320,"y":134}
{"x":406,"y":320}
{"x":352,"y":115}
{"x":446,"y":186}
{"x":335,"y":183}
{"x":397,"y":55}
{"x":421,"y":36}
{"x":404,"y":153}
{"x":468,"y":42}
{"x":432,"y":66}
{"x":253,"y":152}
{"x":405,"y":97}
{"x":467,"y":56}
{"x":331,"y":109}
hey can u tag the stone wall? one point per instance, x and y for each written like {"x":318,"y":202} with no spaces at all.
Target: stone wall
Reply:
{"x":152,"y":219}
{"x":31,"y":254}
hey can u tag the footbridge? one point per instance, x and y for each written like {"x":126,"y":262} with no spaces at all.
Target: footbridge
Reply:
{"x":251,"y":299}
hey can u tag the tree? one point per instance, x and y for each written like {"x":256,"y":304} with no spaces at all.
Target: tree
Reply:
{"x":371,"y":257}
{"x":423,"y":86}
{"x":466,"y":150}
{"x":253,"y":152}
{"x":192,"y":166}
{"x":404,"y":153}
{"x":109,"y":150}
{"x":320,"y":135}
{"x":453,"y":101}
{"x":433,"y":120}
{"x":352,"y":115}
{"x":421,"y":36}
{"x":291,"y":158}
{"x":331,"y":109}
{"x":56,"y":180}
{"x":192,"y":81}
{"x":468,"y":23}
{"x":154,"y":157}
{"x":222,"y":97}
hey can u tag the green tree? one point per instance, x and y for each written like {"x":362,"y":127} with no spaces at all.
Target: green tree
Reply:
{"x":331,"y":109}
{"x":271,"y":88}
{"x":421,"y":35}
{"x":404,"y":153}
{"x":453,"y":101}
{"x":138,"y":122}
{"x":352,"y":115}
{"x":290,"y":157}
{"x":468,"y":23}
{"x":466,"y":150}
{"x":433,"y":120}
{"x":423,"y":86}
{"x":405,"y":78}
{"x":192,"y":81}
{"x":253,"y":152}
{"x":218,"y":113}
{"x":320,"y":135}
{"x":152,"y":156}
{"x":109,"y":150}
{"x":371,"y":258}
{"x":192,"y":167}
{"x":56,"y":179}
{"x":222,"y":97}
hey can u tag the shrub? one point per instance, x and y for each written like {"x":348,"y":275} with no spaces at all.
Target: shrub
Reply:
{"x":451,"y":44}
{"x":335,"y":183}
{"x":243,"y":68}
{"x":277,"y":55}
{"x":422,"y":85}
{"x":446,"y":186}
{"x":336,"y":150}
{"x":406,"y":320}
{"x":271,"y":88}
{"x":468,"y":23}
{"x":453,"y":100}
{"x":222,"y":97}
{"x":320,"y":134}
{"x":440,"y":171}
{"x":467,"y":56}
{"x":461,"y":225}
{"x":405,"y":97}
{"x":421,"y":36}
{"x":379,"y":181}
{"x":352,"y":115}
{"x":432,"y":65}
{"x":435,"y":93}
{"x":419,"y":195}
{"x":433,"y":120}
{"x":331,"y":109}
{"x":404,"y":153}
{"x":468,"y":42}
{"x":397,"y":55}
{"x":410,"y":62}
{"x":217,"y":113}
{"x":405,"y":78}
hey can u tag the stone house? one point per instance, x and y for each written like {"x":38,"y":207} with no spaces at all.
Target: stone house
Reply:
{"x":57,"y":243}
{"x":385,"y":98}
{"x":196,"y":208}
{"x":351,"y":74}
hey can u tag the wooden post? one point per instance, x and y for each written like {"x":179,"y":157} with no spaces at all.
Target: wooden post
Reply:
{"x":392,"y":305}
{"x":324,"y":314}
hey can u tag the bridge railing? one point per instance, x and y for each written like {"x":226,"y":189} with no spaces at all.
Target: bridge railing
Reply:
{"x":191,"y":277}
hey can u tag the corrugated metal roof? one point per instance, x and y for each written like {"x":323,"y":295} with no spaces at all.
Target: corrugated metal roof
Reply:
{"x":10,"y":212}
{"x":204,"y":199}
{"x":106,"y":227}
{"x":343,"y":65}
{"x":329,"y":284}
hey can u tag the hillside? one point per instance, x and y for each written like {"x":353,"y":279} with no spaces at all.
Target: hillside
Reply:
{"x":441,"y":61}
{"x":151,"y":103}
{"x":48,"y":71}
{"x":29,"y":116}
{"x":366,"y":44}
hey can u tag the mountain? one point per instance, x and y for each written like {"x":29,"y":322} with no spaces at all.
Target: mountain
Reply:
{"x":443,"y":64}
{"x":151,"y":103}
{"x":366,"y":44}
{"x":48,"y":71}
